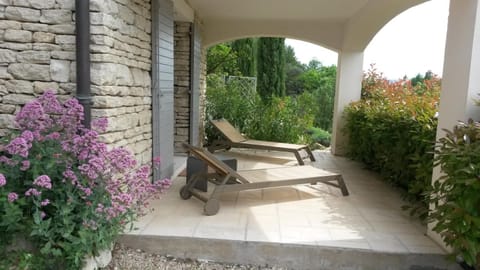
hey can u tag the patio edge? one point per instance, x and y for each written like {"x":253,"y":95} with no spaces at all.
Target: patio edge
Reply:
{"x":292,"y":256}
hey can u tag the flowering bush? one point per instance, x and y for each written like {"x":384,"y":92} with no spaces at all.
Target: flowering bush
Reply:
{"x":392,"y":130}
{"x":64,"y":190}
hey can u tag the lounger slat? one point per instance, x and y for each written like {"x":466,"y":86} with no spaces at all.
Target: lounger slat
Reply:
{"x":285,"y":173}
{"x":235,"y":139}
{"x":270,"y":145}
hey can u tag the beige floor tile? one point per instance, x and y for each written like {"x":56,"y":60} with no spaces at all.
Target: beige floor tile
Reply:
{"x":426,"y":249}
{"x":356,"y":244}
{"x":268,"y":234}
{"x":220,"y":233}
{"x":394,"y":227}
{"x":176,"y":226}
{"x":303,"y":235}
{"x":347,"y":235}
{"x":385,"y":243}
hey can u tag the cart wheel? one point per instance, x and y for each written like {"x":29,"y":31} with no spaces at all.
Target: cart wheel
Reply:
{"x":211,"y":207}
{"x":185,"y":193}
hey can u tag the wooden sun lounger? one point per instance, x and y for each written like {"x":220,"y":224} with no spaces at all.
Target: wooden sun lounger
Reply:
{"x":235,"y":139}
{"x":228,"y":180}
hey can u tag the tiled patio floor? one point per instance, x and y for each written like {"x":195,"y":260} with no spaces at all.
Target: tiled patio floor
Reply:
{"x":370,"y":218}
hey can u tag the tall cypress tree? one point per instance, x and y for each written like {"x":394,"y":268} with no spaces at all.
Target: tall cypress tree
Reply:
{"x":271,"y":67}
{"x":246,"y":53}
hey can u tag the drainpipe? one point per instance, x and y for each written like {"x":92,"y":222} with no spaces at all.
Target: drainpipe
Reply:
{"x":82,"y":29}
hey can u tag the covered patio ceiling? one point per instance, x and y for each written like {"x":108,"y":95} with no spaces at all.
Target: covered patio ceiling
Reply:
{"x":338,"y":25}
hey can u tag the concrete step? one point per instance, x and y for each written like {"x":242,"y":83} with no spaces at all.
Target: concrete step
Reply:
{"x":292,"y":256}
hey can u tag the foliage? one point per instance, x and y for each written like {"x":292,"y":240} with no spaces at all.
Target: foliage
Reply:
{"x":62,"y":189}
{"x":222,"y":59}
{"x":284,"y":119}
{"x":456,"y":194}
{"x":320,"y":136}
{"x":245,"y":50}
{"x":293,"y":70}
{"x":271,"y":67}
{"x":320,"y":81}
{"x":392,"y":130}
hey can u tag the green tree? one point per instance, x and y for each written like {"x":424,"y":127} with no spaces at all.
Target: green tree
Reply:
{"x":271,"y":67}
{"x":293,"y":70}
{"x":245,"y":50}
{"x":222,"y":59}
{"x":320,"y":81}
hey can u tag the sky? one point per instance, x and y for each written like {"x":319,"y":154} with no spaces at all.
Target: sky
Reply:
{"x":411,"y":43}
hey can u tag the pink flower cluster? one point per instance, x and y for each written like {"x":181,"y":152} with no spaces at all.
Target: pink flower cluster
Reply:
{"x":82,"y":161}
{"x":43,"y":181}
{"x":3,"y":180}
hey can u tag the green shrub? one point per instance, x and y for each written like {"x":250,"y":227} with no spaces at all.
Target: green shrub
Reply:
{"x":392,"y":130}
{"x":456,"y":195}
{"x":320,"y":136}
{"x":283,"y":119}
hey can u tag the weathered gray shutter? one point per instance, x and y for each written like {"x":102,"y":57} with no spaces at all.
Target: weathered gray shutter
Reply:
{"x":162,"y":85}
{"x":195,"y":69}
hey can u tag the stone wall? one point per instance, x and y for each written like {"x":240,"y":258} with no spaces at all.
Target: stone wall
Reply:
{"x":37,"y":52}
{"x":120,"y":72}
{"x":37,"y":46}
{"x":182,"y":84}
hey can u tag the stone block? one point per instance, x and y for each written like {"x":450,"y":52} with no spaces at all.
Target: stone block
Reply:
{"x":19,"y":86}
{"x":6,"y":2}
{"x":17,"y":35}
{"x":3,"y":72}
{"x":106,"y":6}
{"x":33,"y":72}
{"x":66,"y":4}
{"x":42,"y":4}
{"x":62,"y":28}
{"x":7,"y":56}
{"x":102,"y":40}
{"x":112,"y":137}
{"x":111,"y":74}
{"x":3,"y":91}
{"x":56,"y":16}
{"x":62,"y":55}
{"x":22,"y":14}
{"x":17,"y":99}
{"x":65,"y":39}
{"x":7,"y":108}
{"x":60,"y":70}
{"x":5,"y":24}
{"x":43,"y":37}
{"x":35,"y":57}
{"x":45,"y":47}
{"x":21,"y":3}
{"x":126,"y":14}
{"x":6,"y":121}
{"x":41,"y":87}
{"x":35,"y":27}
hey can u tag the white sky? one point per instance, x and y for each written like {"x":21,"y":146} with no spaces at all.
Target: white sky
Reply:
{"x":411,"y":43}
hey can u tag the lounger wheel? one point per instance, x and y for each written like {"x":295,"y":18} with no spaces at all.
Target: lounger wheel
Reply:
{"x":185,"y":193}
{"x":211,"y":207}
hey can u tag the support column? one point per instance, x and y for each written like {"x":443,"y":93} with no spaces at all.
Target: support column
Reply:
{"x":460,"y":82}
{"x":349,"y":86}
